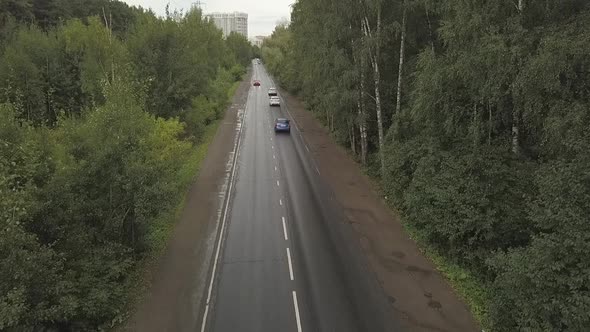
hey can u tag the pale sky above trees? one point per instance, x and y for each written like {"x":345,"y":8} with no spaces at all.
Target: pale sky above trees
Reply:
{"x":262,"y":14}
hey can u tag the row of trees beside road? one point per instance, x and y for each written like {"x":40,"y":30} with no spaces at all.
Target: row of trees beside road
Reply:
{"x":474,"y":117}
{"x":102,"y":107}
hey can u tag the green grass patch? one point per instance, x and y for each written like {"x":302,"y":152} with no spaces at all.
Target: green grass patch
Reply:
{"x":232,"y":90}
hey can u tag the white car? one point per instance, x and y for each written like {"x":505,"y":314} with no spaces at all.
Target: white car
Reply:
{"x":272,"y":92}
{"x":275,"y":101}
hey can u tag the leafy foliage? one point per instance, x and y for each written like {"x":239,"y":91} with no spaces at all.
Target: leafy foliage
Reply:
{"x":100,"y":119}
{"x":487,"y":156}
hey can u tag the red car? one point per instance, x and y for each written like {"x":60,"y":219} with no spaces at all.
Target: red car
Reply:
{"x":257,"y":83}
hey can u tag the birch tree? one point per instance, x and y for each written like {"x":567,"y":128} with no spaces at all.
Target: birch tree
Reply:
{"x":402,"y":48}
{"x":373,"y":40}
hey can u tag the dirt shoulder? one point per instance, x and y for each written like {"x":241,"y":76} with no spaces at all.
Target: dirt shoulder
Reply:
{"x":177,"y":284}
{"x":418,"y":293}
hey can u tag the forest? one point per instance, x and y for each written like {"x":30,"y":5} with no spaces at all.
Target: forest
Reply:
{"x":472,"y":117}
{"x":105,"y":114}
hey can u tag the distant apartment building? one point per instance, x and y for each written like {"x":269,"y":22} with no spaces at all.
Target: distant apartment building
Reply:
{"x":258,"y":40}
{"x":230,"y":22}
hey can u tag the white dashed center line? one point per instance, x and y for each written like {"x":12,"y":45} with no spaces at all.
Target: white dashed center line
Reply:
{"x":290,"y":265}
{"x":278,"y":183}
{"x":281,"y":202}
{"x":285,"y":229}
{"x":296,"y":305}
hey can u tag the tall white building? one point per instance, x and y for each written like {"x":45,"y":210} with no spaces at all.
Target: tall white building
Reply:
{"x":230,"y":22}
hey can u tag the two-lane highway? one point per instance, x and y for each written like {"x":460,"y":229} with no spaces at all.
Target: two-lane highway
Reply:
{"x":276,"y":267}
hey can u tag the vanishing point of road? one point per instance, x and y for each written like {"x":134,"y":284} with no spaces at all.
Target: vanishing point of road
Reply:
{"x":283,"y":260}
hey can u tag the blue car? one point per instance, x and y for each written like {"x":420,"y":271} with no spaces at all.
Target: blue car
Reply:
{"x":282,"y":125}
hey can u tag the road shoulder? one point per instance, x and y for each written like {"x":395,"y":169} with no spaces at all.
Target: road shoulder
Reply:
{"x":418,"y":293}
{"x":178,"y":281}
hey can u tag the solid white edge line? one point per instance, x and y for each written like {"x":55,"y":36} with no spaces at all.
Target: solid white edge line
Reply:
{"x":296,"y":305}
{"x":317,"y":170}
{"x":290,"y":265}
{"x":204,"y":323}
{"x":223,"y":221}
{"x":306,"y":148}
{"x":285,"y":229}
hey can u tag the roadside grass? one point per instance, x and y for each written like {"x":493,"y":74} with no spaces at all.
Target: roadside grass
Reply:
{"x":232,"y":90}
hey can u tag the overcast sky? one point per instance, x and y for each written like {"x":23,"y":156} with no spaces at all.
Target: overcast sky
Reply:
{"x":262,"y":14}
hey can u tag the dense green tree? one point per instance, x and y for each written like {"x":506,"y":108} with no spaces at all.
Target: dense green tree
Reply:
{"x":241,"y":47}
{"x":100,"y":108}
{"x":30,"y":282}
{"x":482,"y":107}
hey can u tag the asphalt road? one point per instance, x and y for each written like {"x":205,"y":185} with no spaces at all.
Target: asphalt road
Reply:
{"x":282,"y":264}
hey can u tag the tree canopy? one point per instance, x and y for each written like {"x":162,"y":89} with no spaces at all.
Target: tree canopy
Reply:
{"x":484,"y":108}
{"x":101,"y":108}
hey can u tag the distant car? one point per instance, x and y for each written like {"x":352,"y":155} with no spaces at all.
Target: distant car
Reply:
{"x":282,"y":125}
{"x":272,"y":92}
{"x":256,"y":83}
{"x":275,"y":101}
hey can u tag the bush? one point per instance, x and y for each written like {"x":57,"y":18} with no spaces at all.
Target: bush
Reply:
{"x":544,"y":286}
{"x":81,"y":229}
{"x":469,"y":204}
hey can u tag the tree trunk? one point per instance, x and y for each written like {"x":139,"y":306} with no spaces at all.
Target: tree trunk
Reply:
{"x":375,"y":55}
{"x":430,"y":29}
{"x":401,"y":62}
{"x":476,"y":128}
{"x":489,"y":123}
{"x":377,"y":78}
{"x":353,"y":140}
{"x":48,"y":92}
{"x":515,"y":130}
{"x":516,"y":110}
{"x":362,"y":117}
